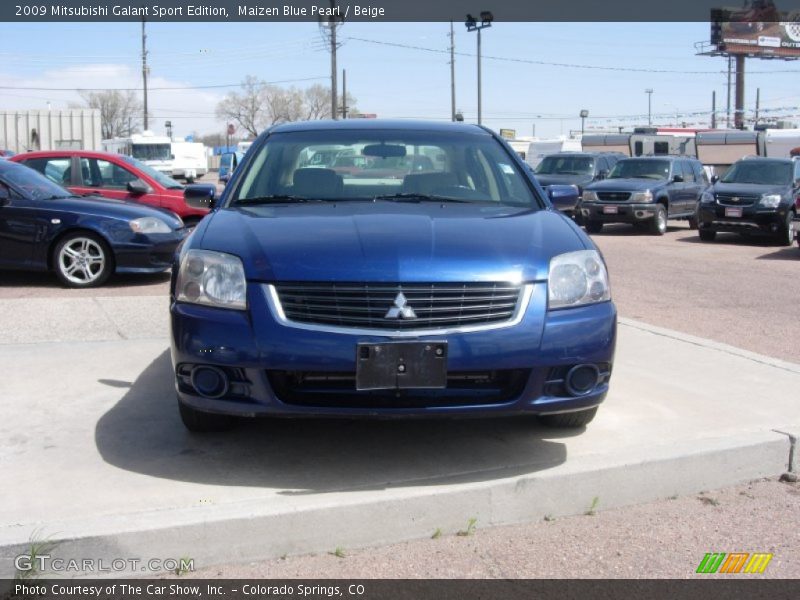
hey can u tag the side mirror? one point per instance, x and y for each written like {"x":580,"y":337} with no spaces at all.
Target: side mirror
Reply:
{"x":602,"y":174}
{"x":200,"y":196}
{"x":714,"y":178}
{"x":563,"y":197}
{"x":139,"y":187}
{"x":5,"y":195}
{"x":677,"y":178}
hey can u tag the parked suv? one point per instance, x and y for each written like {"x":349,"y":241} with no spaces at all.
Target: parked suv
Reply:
{"x":575,"y":168}
{"x":646,"y":191}
{"x":756,"y":195}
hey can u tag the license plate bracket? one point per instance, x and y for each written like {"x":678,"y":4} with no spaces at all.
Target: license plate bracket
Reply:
{"x":733,"y":212}
{"x":401,"y":365}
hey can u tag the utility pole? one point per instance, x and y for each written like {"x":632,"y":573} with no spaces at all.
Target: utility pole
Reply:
{"x":758,"y":102}
{"x":728,"y":118}
{"x":344,"y":93}
{"x":738,"y":116}
{"x":144,"y":72}
{"x":649,"y":92}
{"x":452,"y":74}
{"x":328,"y":29}
{"x":714,"y":109}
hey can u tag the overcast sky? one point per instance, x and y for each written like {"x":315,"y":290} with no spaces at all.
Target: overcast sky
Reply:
{"x":603,"y":68}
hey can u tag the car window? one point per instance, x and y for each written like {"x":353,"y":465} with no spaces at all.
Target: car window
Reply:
{"x":688,"y":174}
{"x":565,"y":165}
{"x":32,"y":184}
{"x":761,"y":172}
{"x":55,"y":169}
{"x":641,"y":169}
{"x":797,"y":170}
{"x":107,"y":174}
{"x":699,"y":173}
{"x":361,"y":165}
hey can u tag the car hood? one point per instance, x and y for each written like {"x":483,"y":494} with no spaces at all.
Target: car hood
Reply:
{"x":391,"y":242}
{"x":545,"y":180}
{"x":119,"y":209}
{"x":627,"y":185}
{"x":749,"y":189}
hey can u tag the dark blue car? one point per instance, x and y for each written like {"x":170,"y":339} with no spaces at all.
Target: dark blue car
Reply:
{"x":452,"y":290}
{"x":82,"y":239}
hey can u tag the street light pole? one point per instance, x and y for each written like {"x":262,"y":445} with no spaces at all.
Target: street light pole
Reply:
{"x":473,"y":25}
{"x":649,"y":92}
{"x":583,"y":114}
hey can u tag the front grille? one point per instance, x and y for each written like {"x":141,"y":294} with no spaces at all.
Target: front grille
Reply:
{"x":366,"y":305}
{"x":726,"y":199}
{"x":338,"y":390}
{"x":613,"y":196}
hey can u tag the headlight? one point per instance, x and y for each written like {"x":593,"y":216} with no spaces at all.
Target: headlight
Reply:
{"x":645,"y":196}
{"x":589,"y":196}
{"x":707,"y":198}
{"x":212,"y":278}
{"x":770,"y":200}
{"x":576,"y":279}
{"x":149,"y":225}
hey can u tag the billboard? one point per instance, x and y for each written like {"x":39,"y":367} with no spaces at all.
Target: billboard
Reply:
{"x":757,"y":29}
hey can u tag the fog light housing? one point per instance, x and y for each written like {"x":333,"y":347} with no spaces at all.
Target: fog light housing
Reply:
{"x":582,"y":379}
{"x":209,"y":382}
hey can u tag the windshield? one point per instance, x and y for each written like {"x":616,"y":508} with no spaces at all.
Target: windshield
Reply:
{"x":152,"y":151}
{"x":631,"y":168}
{"x":759,"y":172}
{"x":32,"y":184}
{"x":565,"y":165}
{"x":386,"y":165}
{"x":164,"y":180}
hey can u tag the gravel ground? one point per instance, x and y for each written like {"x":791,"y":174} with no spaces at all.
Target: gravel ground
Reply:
{"x":661,"y":539}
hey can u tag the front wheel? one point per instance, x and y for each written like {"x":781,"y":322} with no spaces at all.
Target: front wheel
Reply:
{"x":707,"y":235}
{"x":785,"y":235}
{"x":569,"y":420}
{"x":198,"y":421}
{"x":594,"y":226}
{"x":82,"y":260}
{"x":658,"y":226}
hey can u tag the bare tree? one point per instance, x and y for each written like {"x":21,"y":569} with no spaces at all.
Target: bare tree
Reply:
{"x":120,"y":112}
{"x":247,"y":107}
{"x":259,"y":105}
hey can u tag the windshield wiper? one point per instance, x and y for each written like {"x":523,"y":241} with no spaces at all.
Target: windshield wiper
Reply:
{"x":410,"y":197}
{"x":275,"y":199}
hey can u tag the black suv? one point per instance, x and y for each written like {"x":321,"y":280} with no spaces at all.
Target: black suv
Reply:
{"x":575,"y":168}
{"x":646,"y":191}
{"x":755,"y":195}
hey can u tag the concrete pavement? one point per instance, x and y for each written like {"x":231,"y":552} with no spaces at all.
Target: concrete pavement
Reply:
{"x":98,"y":460}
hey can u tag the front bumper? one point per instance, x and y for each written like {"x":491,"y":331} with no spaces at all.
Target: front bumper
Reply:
{"x":151,"y":253}
{"x":626,"y":212}
{"x":753,"y":219}
{"x":267,"y":362}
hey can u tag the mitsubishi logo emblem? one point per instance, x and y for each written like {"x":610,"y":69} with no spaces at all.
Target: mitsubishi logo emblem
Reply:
{"x":400,"y":310}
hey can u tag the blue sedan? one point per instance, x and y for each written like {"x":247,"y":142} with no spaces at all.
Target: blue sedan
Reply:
{"x":82,"y":239}
{"x":436,"y":279}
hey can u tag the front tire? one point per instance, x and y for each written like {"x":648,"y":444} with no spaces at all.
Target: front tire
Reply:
{"x":82,"y":260}
{"x":198,"y":421}
{"x":594,"y":226}
{"x":658,"y":226}
{"x":569,"y":420}
{"x":707,"y":235}
{"x":785,"y":236}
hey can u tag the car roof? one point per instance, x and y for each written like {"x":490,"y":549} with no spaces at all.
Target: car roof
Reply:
{"x":661,"y":157}
{"x":370,"y":124}
{"x":52,"y":153}
{"x":774,"y":159}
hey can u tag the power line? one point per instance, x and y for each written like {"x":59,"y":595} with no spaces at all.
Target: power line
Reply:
{"x":557,"y":64}
{"x":152,"y":89}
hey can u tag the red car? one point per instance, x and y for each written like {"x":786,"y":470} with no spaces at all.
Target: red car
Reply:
{"x":112,"y":176}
